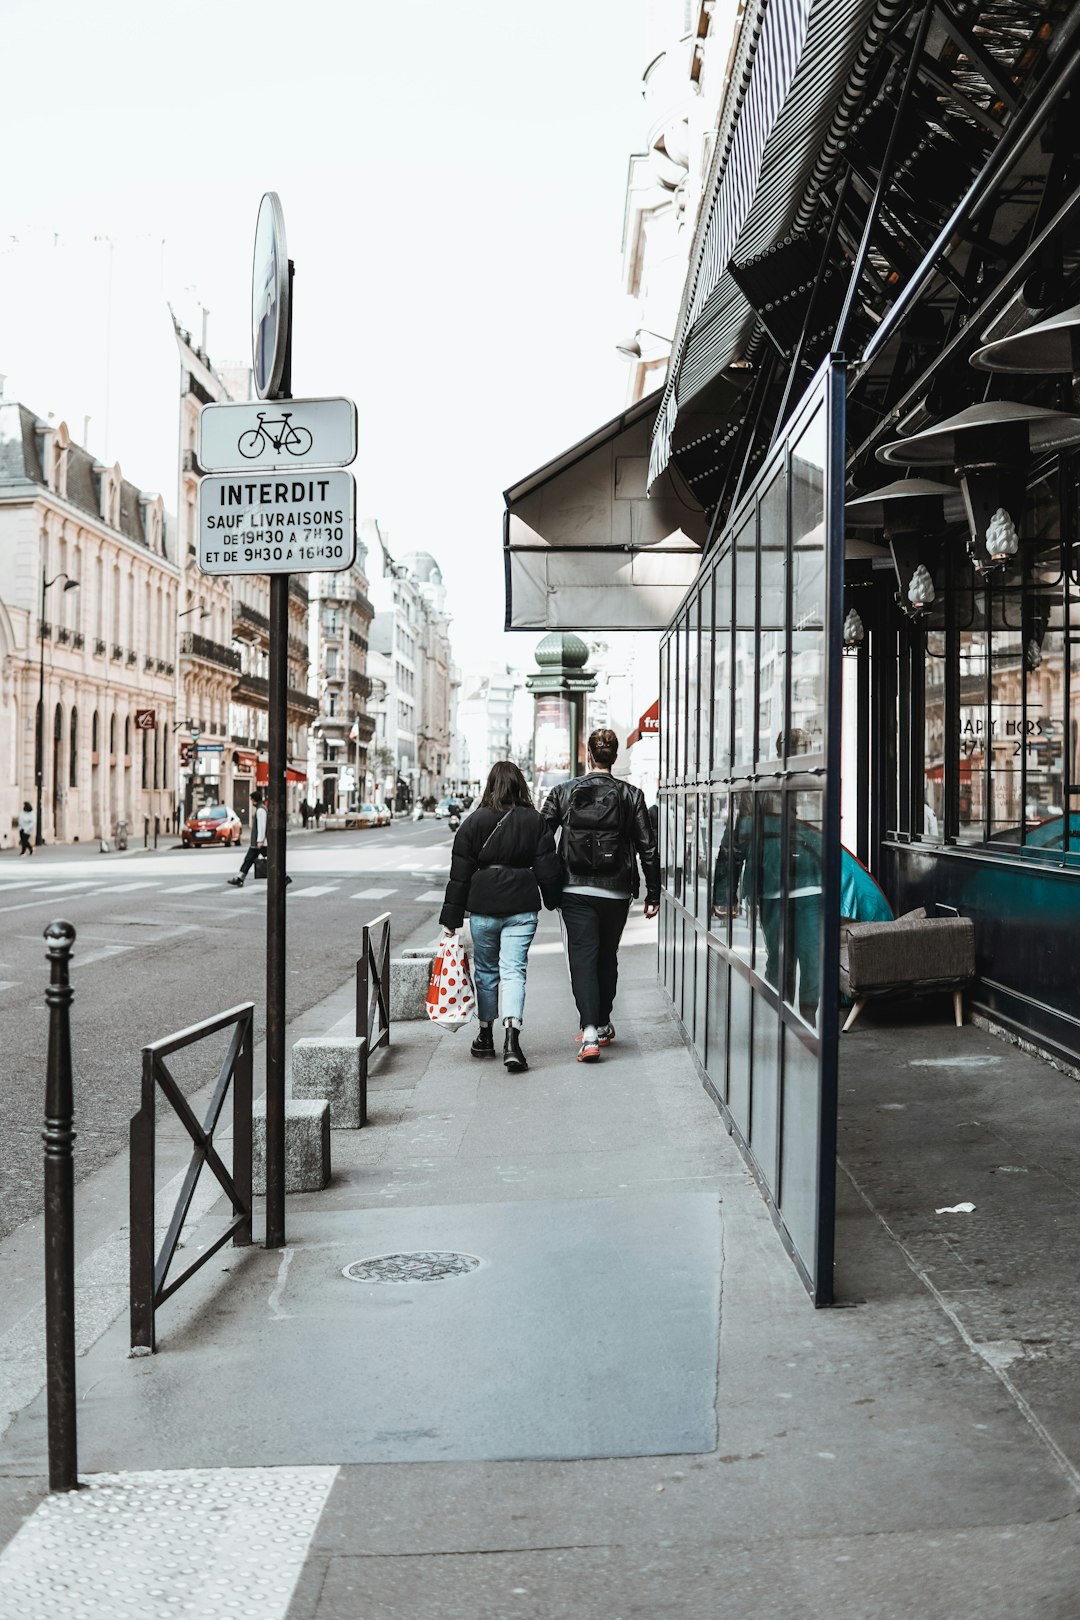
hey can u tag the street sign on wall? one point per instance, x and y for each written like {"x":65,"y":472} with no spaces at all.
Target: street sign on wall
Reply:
{"x":279,"y":434}
{"x":273,"y":524}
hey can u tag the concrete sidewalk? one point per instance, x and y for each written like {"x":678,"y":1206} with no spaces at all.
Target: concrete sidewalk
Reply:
{"x":622,"y":1405}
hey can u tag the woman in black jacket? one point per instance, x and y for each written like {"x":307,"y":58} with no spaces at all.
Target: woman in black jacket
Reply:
{"x":503,"y":861}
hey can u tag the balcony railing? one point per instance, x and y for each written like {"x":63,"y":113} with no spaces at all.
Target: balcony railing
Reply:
{"x":363,"y":606}
{"x":252,"y":689}
{"x":243,"y":614}
{"x":357,"y":640}
{"x":298,"y":590}
{"x":77,"y":639}
{"x":99,"y":647}
{"x":44,"y":630}
{"x":298,"y":649}
{"x":63,"y":634}
{"x":118,"y":653}
{"x":303,"y":701}
{"x":211,"y":652}
{"x":132,"y":659}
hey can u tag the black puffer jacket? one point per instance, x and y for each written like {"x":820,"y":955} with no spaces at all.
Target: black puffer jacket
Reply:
{"x":637,"y":840}
{"x":498,"y":870}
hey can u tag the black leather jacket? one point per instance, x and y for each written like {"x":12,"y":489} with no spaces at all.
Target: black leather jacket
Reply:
{"x":639,"y":842}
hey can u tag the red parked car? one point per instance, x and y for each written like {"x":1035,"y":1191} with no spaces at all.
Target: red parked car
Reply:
{"x":213,"y":824}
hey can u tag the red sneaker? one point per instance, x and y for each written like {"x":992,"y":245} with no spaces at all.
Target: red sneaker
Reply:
{"x":588,"y":1051}
{"x":606,"y":1034}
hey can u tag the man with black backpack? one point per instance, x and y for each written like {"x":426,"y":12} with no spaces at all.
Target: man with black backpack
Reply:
{"x":605,"y":832}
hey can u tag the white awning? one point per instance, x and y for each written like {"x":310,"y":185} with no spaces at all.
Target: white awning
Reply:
{"x":587,"y":548}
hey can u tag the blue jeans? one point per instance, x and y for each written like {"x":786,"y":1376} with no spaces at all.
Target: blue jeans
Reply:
{"x":500,"y":951}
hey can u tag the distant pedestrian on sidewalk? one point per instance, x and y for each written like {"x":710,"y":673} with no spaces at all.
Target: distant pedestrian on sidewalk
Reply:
{"x":605,"y":831}
{"x":503,"y":863}
{"x":26,"y":829}
{"x":305,"y":812}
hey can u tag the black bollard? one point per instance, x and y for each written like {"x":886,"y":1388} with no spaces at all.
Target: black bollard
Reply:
{"x":58,"y":1137}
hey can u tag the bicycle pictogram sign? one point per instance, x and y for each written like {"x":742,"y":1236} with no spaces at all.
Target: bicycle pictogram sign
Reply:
{"x":296,"y":441}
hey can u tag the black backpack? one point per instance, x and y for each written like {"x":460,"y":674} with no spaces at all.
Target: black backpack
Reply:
{"x":593,"y":836}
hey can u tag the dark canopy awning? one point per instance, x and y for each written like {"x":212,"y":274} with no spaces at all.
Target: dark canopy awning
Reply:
{"x":587,"y":548}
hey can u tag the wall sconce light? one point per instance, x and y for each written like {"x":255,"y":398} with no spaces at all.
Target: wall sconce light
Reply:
{"x":908,"y":512}
{"x":920,"y":592}
{"x":990,"y":446}
{"x":854,"y":632}
{"x":1051,"y":346}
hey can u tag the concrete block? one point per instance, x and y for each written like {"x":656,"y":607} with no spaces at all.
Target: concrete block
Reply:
{"x":409,"y":979}
{"x":307,"y":1145}
{"x":334,"y":1067}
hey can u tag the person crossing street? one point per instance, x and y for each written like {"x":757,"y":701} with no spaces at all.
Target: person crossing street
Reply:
{"x":604,"y":833}
{"x":257,"y":846}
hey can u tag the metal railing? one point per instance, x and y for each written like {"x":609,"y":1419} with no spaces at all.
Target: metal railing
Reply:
{"x":149,"y":1272}
{"x":373,"y":1010}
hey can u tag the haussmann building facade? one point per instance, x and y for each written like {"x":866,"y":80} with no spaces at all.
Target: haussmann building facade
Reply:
{"x":850,"y":511}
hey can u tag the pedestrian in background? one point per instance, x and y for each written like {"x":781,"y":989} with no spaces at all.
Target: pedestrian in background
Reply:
{"x":605,"y":830}
{"x":258,"y":843}
{"x":503,"y":863}
{"x":26,"y":829}
{"x":305,"y":812}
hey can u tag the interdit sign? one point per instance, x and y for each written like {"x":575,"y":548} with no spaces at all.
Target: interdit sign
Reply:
{"x":277,"y":525}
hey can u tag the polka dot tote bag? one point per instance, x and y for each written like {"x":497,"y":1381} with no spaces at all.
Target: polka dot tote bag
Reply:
{"x":451,"y":999}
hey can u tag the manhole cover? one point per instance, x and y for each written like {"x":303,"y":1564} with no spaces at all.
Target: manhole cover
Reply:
{"x":423,"y":1265}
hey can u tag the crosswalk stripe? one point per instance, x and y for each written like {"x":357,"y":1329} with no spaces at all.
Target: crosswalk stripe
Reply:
{"x":373,"y":894}
{"x":432,"y":894}
{"x":68,"y":888}
{"x":123,"y":888}
{"x":188,"y":888}
{"x":9,"y":984}
{"x":319,"y":888}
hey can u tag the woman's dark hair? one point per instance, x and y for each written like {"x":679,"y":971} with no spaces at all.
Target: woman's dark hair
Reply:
{"x":604,"y":747}
{"x":506,"y":787}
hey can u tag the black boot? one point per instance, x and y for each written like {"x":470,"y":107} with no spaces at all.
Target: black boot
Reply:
{"x":513,"y":1056}
{"x":484,"y":1044}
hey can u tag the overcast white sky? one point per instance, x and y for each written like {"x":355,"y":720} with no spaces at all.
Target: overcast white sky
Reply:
{"x":452,"y":176}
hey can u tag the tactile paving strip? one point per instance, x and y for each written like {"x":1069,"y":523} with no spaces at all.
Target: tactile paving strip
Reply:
{"x":220,"y":1543}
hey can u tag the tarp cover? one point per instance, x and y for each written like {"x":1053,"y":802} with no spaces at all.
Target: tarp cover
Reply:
{"x":586,"y":547}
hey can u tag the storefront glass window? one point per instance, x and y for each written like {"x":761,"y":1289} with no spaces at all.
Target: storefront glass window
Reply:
{"x":706,"y":682}
{"x":692,"y":657}
{"x":933,"y":809}
{"x":802,"y":944}
{"x":807,"y":710}
{"x":721,"y":756}
{"x":720,"y":905}
{"x":745,"y":654}
{"x":971,"y":762}
{"x":1006,"y":736}
{"x":772,"y":645}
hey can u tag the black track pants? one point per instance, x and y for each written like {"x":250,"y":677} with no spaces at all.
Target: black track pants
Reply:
{"x":593,"y":930}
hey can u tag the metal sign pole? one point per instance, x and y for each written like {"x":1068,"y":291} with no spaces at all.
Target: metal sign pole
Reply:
{"x":275,"y":895}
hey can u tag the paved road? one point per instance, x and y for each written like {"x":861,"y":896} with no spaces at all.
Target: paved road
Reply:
{"x":163,"y":941}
